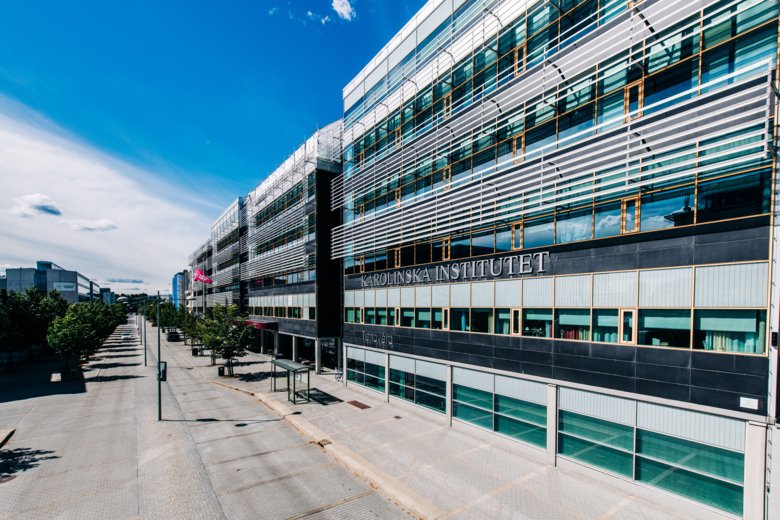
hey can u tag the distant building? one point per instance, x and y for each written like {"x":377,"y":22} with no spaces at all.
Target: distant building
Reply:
{"x":107,"y":295}
{"x":179,"y":286}
{"x":3,"y":283}
{"x":48,"y":276}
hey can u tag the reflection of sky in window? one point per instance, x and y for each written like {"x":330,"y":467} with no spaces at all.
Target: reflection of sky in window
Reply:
{"x":608,"y":222}
{"x":538,"y":234}
{"x":652,"y":213}
{"x":572,"y":229}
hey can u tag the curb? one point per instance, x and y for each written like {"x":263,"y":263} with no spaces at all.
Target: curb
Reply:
{"x":407,"y":499}
{"x":5,"y":436}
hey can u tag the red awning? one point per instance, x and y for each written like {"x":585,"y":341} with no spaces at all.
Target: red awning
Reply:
{"x":262,"y":325}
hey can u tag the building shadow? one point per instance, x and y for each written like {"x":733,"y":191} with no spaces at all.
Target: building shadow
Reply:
{"x":18,"y":460}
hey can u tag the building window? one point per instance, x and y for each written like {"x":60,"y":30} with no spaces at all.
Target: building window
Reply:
{"x":537,"y":323}
{"x":605,"y":325}
{"x":407,"y":317}
{"x":539,"y":232}
{"x":503,"y":319}
{"x":629,"y":215}
{"x":572,"y":324}
{"x":423,"y":319}
{"x":459,"y":320}
{"x":664,"y":328}
{"x":482,"y":320}
{"x":730,"y":330}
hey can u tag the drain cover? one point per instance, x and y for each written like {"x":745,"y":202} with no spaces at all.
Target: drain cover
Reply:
{"x":358,"y":404}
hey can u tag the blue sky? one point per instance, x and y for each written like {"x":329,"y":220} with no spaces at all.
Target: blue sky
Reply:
{"x":192,"y":102}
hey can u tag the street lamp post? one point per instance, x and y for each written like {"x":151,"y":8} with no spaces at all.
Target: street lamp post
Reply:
{"x":144,"y":338}
{"x":159,"y":376}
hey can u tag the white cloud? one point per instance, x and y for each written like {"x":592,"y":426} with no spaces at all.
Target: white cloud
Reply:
{"x":91,"y":225}
{"x":344,"y":9}
{"x":272,"y":11}
{"x":36,"y":204}
{"x":154,"y":224}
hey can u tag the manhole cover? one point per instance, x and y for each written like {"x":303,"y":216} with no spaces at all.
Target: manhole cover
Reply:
{"x":358,"y":404}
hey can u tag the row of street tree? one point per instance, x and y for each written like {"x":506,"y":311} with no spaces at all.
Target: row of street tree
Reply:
{"x":25,"y":318}
{"x":32,"y":320}
{"x":222,"y":330}
{"x":81,"y":331}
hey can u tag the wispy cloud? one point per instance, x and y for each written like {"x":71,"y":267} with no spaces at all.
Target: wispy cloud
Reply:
{"x":36,"y":204}
{"x":272,"y":11}
{"x":344,"y":9}
{"x":150,"y":235}
{"x":102,"y":224}
{"x":317,"y":17}
{"x":124,"y":280}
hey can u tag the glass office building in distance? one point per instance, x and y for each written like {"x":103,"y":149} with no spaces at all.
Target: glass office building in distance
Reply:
{"x":558,"y":224}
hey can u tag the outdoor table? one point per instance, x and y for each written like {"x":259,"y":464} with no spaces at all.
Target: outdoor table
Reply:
{"x":291,"y":367}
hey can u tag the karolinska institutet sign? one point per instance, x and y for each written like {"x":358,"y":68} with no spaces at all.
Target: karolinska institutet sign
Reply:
{"x":504,"y":267}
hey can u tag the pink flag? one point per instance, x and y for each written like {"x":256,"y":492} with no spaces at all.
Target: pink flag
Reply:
{"x":201,"y":277}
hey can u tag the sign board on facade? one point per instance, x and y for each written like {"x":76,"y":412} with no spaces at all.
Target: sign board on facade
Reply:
{"x":506,"y":266}
{"x":64,"y":286}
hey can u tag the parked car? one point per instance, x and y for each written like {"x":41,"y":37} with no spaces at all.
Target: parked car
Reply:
{"x":173,"y":336}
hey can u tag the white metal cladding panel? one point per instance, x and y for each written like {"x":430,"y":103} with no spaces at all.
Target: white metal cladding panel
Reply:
{"x":403,"y":364}
{"x":482,"y":294}
{"x":432,"y":370}
{"x":311,"y":299}
{"x":401,"y":51}
{"x":375,"y":358}
{"x":356,"y":353}
{"x":370,"y":298}
{"x":393,"y":297}
{"x":375,"y":75}
{"x":614,"y":289}
{"x":572,"y":291}
{"x":741,"y":285}
{"x":422,"y":296}
{"x":473,"y":379}
{"x":601,"y":406}
{"x":508,"y":293}
{"x":460,"y":295}
{"x":427,"y":26}
{"x":441,"y":295}
{"x":521,"y":389}
{"x":696,"y":426}
{"x":665,"y":288}
{"x":407,"y":297}
{"x":360,"y":298}
{"x":538,"y":292}
{"x":351,"y":98}
{"x":381,"y":297}
{"x":349,"y":298}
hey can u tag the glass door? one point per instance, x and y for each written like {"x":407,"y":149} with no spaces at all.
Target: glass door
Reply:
{"x":627,"y":326}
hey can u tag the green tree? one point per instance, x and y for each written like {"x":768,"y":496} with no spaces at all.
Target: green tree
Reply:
{"x":73,"y":339}
{"x":225,"y":333}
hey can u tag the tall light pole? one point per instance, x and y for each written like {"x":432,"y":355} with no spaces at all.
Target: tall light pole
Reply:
{"x":145,"y":339}
{"x":159,"y":375}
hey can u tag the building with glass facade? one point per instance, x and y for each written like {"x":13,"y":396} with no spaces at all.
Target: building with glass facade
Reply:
{"x":47,"y":276}
{"x":558,"y":224}
{"x":293,"y":284}
{"x":179,"y":287}
{"x":201,"y":259}
{"x":268,"y":254}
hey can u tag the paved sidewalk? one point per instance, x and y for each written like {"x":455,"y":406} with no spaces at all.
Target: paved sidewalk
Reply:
{"x":93,"y":449}
{"x":435,"y":471}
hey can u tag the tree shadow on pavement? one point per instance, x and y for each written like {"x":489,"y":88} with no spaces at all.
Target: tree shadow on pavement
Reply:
{"x":17,"y":460}
{"x":113,"y":365}
{"x":34,"y":380}
{"x":106,"y":379}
